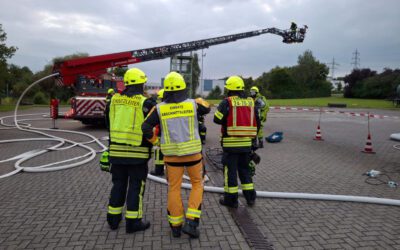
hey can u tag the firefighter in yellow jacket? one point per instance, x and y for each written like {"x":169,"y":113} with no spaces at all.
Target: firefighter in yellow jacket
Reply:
{"x":238,"y":116}
{"x":129,"y":152}
{"x":181,"y":146}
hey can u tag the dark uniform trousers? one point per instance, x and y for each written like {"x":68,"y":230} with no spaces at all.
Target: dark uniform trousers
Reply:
{"x":135,"y":177}
{"x":234,"y":164}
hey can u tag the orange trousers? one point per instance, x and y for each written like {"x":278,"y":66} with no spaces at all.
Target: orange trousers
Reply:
{"x":175,"y":204}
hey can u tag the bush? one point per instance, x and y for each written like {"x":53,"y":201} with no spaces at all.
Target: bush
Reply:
{"x":8,"y":101}
{"x":39,"y":98}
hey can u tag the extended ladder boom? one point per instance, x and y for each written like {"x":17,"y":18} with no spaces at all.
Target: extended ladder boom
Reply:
{"x":70,"y":69}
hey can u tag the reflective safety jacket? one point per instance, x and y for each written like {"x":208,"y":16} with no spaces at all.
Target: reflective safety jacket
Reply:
{"x":240,"y":122}
{"x":263,"y":106}
{"x":126,"y":118}
{"x":179,"y":128}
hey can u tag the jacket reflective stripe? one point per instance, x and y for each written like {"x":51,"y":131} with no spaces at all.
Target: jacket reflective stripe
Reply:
{"x":249,"y":186}
{"x":193,"y":213}
{"x":126,"y":119}
{"x":228,"y":142}
{"x":129,"y":148}
{"x":126,"y":151}
{"x":115,"y":210}
{"x":175,"y":220}
{"x":179,"y":128}
{"x":219,"y":115}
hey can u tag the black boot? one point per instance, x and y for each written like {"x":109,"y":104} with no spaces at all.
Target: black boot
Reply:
{"x":114,"y":220}
{"x":250,"y":196}
{"x":158,"y":170}
{"x":260,"y":143}
{"x":190,"y":228}
{"x":251,"y":203}
{"x":134,"y":225}
{"x":176,"y":231}
{"x":224,"y":202}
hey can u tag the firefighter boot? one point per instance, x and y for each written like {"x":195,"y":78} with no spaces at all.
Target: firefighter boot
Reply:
{"x":176,"y":231}
{"x":114,"y":220}
{"x":134,"y":225}
{"x":190,"y":228}
{"x":229,"y":201}
{"x":260,"y":142}
{"x":250,"y":196}
{"x":158,"y":170}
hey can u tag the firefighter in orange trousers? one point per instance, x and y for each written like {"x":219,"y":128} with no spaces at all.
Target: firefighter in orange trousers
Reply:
{"x":238,"y":116}
{"x":181,"y":146}
{"x":129,"y":152}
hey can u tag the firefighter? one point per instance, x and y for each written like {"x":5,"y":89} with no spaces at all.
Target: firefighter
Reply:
{"x":263,"y":108}
{"x":238,"y":116}
{"x":293,"y":27}
{"x":158,"y":156}
{"x":202,"y":126}
{"x":181,"y":145}
{"x":129,"y":152}
{"x":110,"y":93}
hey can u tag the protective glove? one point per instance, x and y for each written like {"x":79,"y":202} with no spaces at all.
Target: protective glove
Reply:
{"x":104,"y":162}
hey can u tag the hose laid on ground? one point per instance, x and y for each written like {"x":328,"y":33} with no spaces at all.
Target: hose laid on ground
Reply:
{"x":31,"y":154}
{"x":284,"y":195}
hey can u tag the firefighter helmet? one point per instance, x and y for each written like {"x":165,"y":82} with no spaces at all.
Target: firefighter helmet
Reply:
{"x":134,"y":76}
{"x":234,"y":83}
{"x":160,"y":94}
{"x":174,"y":82}
{"x":110,"y":91}
{"x":255,"y":89}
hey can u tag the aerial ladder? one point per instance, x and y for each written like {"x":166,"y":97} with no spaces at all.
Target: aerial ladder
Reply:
{"x":70,"y":71}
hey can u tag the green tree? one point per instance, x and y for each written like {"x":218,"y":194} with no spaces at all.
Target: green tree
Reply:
{"x":18,"y":79}
{"x":216,"y":93}
{"x":339,"y":87}
{"x":119,"y":71}
{"x":310,"y":75}
{"x":380,"y":86}
{"x":282,"y":84}
{"x":6,"y":52}
{"x":354,"y":81}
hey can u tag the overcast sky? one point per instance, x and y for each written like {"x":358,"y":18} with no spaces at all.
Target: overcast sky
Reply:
{"x":44,"y":29}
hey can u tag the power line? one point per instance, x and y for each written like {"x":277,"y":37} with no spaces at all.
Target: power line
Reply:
{"x":333,"y":67}
{"x":356,"y":59}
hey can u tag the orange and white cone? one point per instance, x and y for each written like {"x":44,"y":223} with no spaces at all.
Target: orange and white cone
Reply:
{"x":368,"y":146}
{"x":318,"y":135}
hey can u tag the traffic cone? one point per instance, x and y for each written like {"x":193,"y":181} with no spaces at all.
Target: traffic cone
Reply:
{"x":318,"y":135}
{"x":368,"y":146}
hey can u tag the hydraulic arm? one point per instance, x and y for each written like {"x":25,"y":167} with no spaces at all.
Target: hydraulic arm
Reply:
{"x":69,"y":70}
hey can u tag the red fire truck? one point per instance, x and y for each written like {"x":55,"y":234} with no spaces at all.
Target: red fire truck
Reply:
{"x":90,"y":101}
{"x":89,"y":76}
